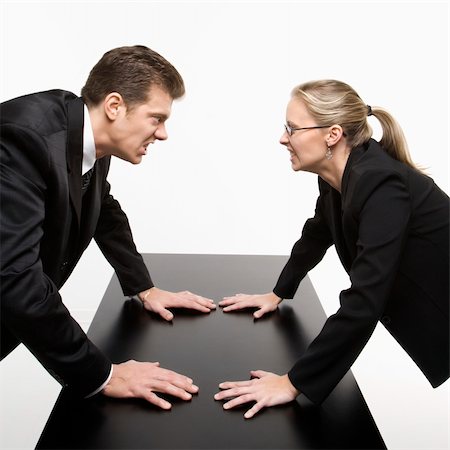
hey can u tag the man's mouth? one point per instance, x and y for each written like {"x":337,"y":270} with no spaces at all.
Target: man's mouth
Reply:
{"x":144,"y":147}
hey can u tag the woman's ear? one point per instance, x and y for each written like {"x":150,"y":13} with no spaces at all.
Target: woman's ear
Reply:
{"x":113,"y":105}
{"x":334,"y":135}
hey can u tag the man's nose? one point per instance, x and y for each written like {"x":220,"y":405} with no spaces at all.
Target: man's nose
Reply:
{"x":161,"y":133}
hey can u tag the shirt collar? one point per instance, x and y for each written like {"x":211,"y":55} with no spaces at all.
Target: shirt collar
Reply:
{"x":88,"y":144}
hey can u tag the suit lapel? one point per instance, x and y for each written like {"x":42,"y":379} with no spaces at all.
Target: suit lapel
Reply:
{"x":75,"y":153}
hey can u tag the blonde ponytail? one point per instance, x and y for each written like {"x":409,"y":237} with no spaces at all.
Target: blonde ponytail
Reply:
{"x":393,"y":140}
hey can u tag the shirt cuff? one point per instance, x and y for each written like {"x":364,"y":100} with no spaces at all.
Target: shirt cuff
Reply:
{"x":102,"y":386}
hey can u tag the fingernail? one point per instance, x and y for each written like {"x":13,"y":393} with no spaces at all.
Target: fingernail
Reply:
{"x":221,"y":385}
{"x":225,"y":406}
{"x":216,"y":396}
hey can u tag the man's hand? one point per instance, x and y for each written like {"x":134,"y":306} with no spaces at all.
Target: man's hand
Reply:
{"x":267,"y":389}
{"x":133,"y":379}
{"x":157,"y":301}
{"x":265,"y":303}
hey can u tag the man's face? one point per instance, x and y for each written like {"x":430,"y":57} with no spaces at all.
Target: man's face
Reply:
{"x":134,"y":130}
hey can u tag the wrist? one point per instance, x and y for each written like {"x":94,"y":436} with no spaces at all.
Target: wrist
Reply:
{"x":277,"y":299}
{"x":295,"y":392}
{"x":142,"y":296}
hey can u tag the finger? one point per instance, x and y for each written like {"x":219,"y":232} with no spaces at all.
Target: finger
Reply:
{"x":194,"y":304}
{"x":167,"y":388}
{"x":206,"y":302}
{"x":233,"y":384}
{"x":151,"y":397}
{"x":232,"y":301}
{"x":181,"y":301}
{"x":178,"y":380}
{"x":233,"y":392}
{"x":239,"y":401}
{"x":234,"y":298}
{"x":260,"y":373}
{"x":228,"y":301}
{"x":254,"y":409}
{"x":175,"y":378}
{"x":240,"y":305}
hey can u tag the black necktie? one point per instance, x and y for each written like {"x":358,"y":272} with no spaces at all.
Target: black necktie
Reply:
{"x":85,"y":180}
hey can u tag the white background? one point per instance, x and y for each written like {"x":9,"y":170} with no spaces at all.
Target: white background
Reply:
{"x":222,"y":183}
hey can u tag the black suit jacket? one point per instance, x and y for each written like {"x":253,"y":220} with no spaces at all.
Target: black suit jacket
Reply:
{"x":390,"y":228}
{"x":46,"y":224}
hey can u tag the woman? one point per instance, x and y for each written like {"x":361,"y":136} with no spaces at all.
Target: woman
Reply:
{"x":390,"y":226}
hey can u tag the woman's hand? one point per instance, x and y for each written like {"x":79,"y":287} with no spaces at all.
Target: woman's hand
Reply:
{"x":265,"y":303}
{"x":133,"y":379}
{"x":157,"y":301}
{"x":267,"y":389}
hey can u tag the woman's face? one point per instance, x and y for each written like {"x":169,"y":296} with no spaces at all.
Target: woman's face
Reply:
{"x":307,"y":147}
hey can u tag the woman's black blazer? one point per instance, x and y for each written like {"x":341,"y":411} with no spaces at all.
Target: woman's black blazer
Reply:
{"x":390,"y":227}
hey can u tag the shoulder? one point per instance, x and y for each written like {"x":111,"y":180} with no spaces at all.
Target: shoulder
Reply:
{"x":370,"y":168}
{"x":31,"y":126}
{"x":42,"y":112}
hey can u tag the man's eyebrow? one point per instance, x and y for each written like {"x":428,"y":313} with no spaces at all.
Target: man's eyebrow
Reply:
{"x":162,"y":116}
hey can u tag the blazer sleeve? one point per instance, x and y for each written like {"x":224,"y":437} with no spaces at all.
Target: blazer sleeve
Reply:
{"x":307,"y":252}
{"x":115,"y":240}
{"x":381,"y":206}
{"x":31,"y":307}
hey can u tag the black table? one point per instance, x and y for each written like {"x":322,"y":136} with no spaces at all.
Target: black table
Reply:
{"x":211,"y":349}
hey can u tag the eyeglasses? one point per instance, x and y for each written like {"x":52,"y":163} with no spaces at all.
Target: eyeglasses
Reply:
{"x":290,"y":130}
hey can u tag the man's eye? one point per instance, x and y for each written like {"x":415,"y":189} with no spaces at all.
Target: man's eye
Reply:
{"x":156,"y":119}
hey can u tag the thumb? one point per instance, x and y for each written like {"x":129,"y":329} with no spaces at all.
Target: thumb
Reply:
{"x":260,"y":312}
{"x":164,"y":313}
{"x":158,"y":308}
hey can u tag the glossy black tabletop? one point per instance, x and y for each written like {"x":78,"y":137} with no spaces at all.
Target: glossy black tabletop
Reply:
{"x":210,"y":349}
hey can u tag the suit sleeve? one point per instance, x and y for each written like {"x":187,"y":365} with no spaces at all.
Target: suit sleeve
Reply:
{"x":115,"y":240}
{"x":307,"y":252}
{"x":31,"y":307}
{"x":382,"y":208}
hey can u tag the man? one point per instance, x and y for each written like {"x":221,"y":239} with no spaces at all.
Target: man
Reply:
{"x":55,"y":157}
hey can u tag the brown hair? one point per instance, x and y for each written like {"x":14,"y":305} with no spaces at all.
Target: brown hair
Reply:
{"x":131,"y":71}
{"x":334,"y":102}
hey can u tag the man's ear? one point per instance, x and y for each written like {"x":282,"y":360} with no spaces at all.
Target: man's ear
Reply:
{"x":334,"y":135}
{"x":113,"y":105}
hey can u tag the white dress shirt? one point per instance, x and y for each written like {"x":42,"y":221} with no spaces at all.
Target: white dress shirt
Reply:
{"x":88,"y":163}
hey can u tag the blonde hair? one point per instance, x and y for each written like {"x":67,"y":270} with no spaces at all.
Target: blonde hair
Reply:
{"x":334,"y":102}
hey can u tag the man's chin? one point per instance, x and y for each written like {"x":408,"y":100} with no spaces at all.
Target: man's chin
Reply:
{"x":137,"y":160}
{"x":133,"y":160}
